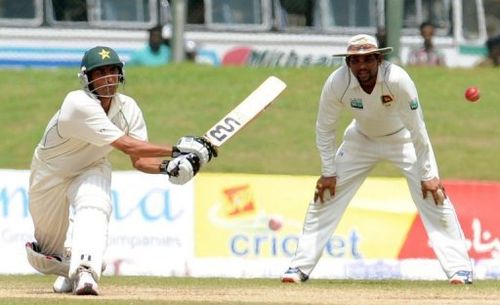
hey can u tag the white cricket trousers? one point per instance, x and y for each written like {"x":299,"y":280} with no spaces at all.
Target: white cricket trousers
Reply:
{"x":357,"y":155}
{"x":89,"y":195}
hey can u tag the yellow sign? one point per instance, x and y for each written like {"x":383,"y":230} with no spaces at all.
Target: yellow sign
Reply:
{"x":256,"y":216}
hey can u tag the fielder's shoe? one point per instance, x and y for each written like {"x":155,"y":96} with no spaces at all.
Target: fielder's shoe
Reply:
{"x":294,"y":275}
{"x":84,"y":282}
{"x":461,"y":277}
{"x":62,"y":284}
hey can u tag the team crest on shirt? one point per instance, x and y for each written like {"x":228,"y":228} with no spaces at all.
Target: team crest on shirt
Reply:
{"x":414,"y":104}
{"x":386,"y":100}
{"x":357,"y":103}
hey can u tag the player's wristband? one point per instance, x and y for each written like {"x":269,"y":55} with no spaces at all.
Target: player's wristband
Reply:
{"x":163,"y":167}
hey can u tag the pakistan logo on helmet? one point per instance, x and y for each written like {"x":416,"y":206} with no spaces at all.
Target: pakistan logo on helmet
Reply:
{"x":99,"y":56}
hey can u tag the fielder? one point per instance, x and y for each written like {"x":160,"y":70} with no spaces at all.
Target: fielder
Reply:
{"x":388,"y":125}
{"x":70,"y":170}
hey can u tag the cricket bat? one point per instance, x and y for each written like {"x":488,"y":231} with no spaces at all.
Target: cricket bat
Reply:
{"x":246,"y":111}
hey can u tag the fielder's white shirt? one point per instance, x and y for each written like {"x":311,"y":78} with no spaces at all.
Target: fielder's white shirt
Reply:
{"x":80,"y":133}
{"x":391,"y":106}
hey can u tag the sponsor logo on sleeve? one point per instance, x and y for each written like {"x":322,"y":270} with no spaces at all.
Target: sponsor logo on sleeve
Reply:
{"x":414,"y":104}
{"x":357,"y":103}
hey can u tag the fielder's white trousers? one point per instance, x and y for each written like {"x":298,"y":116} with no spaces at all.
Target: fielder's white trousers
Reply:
{"x":357,"y":155}
{"x":89,"y":195}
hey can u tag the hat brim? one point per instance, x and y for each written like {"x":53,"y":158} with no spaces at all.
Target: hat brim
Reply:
{"x":382,"y":51}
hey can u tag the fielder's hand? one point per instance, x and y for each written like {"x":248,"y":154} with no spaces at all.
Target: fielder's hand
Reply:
{"x":325,"y":184}
{"x":436,"y":189}
{"x":197,"y":145}
{"x":181,"y":169}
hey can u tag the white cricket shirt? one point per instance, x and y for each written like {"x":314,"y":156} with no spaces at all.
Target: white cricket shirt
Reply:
{"x":391,"y":106}
{"x":80,"y":133}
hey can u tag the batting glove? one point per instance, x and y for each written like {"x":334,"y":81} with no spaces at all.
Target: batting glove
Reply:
{"x":181,"y":169}
{"x":197,"y":145}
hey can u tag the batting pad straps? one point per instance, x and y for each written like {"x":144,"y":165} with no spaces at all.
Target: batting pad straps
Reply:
{"x":46,"y":264}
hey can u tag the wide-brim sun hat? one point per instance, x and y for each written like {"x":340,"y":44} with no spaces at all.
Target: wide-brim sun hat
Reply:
{"x":363,"y":44}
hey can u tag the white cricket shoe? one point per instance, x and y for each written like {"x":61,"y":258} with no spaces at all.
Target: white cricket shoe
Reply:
{"x":62,"y":284}
{"x":294,"y":275}
{"x":84,"y":283}
{"x":461,"y":277}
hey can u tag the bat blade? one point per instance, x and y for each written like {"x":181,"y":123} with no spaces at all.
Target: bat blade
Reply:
{"x":246,"y":111}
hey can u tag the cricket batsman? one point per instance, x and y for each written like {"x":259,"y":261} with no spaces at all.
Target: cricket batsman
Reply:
{"x":70,"y":169}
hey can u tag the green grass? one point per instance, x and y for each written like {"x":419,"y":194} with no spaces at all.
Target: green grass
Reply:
{"x":188,"y":99}
{"x":36,"y":289}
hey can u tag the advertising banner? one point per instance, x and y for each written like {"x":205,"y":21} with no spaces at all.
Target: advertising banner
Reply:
{"x":151,"y":228}
{"x":150,"y":231}
{"x":256,"y":216}
{"x":243,"y":225}
{"x":247,"y":219}
{"x":16,"y":227}
{"x":475,"y":203}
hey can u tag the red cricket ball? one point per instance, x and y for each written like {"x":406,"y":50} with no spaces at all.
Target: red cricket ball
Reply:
{"x":275,"y":223}
{"x":472,"y":94}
